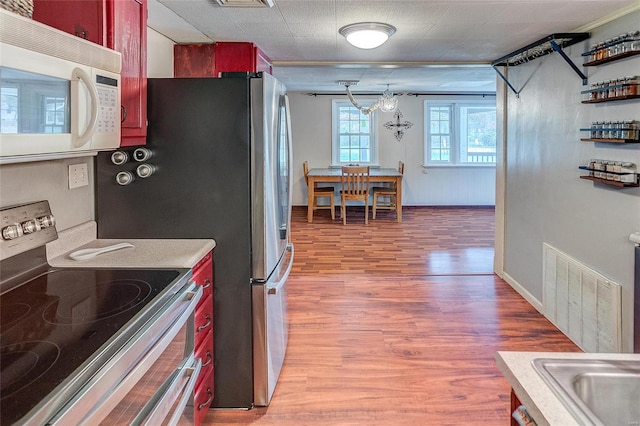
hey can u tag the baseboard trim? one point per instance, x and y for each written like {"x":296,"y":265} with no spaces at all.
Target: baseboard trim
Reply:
{"x":487,"y":207}
{"x":523,"y":292}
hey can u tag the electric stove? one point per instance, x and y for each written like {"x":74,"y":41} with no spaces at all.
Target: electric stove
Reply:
{"x":59,"y":327}
{"x":53,"y":324}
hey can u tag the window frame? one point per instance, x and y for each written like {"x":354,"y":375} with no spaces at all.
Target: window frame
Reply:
{"x":336,"y":104}
{"x":455,"y":136}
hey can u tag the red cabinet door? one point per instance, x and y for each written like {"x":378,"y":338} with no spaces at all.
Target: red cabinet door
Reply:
{"x":202,"y":398}
{"x":85,"y":19}
{"x":202,"y":275}
{"x":194,"y":60}
{"x":127,"y":34}
{"x":240,"y":57}
{"x":209,"y":60}
{"x":117,"y":24}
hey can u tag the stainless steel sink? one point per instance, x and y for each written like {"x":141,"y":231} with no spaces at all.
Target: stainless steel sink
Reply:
{"x":601,"y":393}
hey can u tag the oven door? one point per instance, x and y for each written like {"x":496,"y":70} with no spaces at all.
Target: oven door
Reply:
{"x":151,"y":379}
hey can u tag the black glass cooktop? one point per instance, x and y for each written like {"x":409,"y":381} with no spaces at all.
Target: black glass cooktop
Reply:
{"x":52,"y":324}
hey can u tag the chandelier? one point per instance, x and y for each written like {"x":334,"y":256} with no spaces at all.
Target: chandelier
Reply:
{"x":387,"y":102}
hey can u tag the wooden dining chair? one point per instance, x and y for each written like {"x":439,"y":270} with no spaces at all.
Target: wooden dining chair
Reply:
{"x":355,"y":187}
{"x":320,"y":192}
{"x":386,"y":197}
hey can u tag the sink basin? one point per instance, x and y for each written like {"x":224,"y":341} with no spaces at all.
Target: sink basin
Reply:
{"x":601,"y":393}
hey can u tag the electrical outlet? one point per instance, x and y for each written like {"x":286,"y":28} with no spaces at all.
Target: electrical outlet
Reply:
{"x":78,"y":175}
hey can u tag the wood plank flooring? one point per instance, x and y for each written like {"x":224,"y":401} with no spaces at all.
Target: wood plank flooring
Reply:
{"x":398,"y":324}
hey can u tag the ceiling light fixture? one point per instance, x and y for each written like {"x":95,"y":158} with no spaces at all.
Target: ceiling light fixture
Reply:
{"x":245,"y":3}
{"x":367,"y":35}
{"x":388,"y":102}
{"x":398,"y":127}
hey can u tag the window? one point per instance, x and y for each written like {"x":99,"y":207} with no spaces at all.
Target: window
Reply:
{"x":54,"y":114}
{"x":460,"y":133}
{"x":8,"y":109}
{"x":353,"y":136}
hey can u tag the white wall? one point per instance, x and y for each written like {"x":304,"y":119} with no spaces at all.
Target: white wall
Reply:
{"x":311,"y":128}
{"x":545,"y":200}
{"x":159,"y":55}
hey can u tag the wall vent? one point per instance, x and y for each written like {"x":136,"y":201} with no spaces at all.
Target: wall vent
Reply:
{"x":583,"y":304}
{"x":245,"y":3}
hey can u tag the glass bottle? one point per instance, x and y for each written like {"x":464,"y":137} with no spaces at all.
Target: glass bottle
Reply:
{"x":632,"y":85}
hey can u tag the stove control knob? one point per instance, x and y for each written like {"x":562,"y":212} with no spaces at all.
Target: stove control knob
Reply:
{"x":124,"y":178}
{"x":11,"y":232}
{"x":30,"y":226}
{"x":47,"y":221}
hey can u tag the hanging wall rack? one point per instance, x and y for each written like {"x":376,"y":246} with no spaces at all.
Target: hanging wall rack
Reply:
{"x":552,"y":43}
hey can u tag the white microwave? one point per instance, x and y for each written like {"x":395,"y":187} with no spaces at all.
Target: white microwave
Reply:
{"x":60,"y":96}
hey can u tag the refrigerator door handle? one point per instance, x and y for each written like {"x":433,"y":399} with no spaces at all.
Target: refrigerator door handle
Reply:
{"x":274,"y":289}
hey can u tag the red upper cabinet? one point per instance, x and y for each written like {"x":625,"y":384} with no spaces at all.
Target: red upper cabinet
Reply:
{"x":127,"y":34}
{"x":209,"y":60}
{"x":194,"y":60}
{"x":240,"y":56}
{"x":117,"y":24}
{"x":85,"y":19}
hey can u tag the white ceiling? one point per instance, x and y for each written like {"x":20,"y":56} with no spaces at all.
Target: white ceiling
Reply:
{"x":439,"y":46}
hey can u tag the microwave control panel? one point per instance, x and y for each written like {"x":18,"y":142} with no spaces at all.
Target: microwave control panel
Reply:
{"x":109,"y":111}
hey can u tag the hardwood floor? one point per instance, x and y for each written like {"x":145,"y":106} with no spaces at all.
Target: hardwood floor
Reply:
{"x":397,"y":324}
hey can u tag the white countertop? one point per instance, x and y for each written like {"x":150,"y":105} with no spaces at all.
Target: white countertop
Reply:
{"x":146,"y":253}
{"x":541,"y":403}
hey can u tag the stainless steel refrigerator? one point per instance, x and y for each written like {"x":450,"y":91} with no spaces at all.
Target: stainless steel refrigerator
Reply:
{"x":217,"y":164}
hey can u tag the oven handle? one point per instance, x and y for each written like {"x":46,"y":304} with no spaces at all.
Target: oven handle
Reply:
{"x":181,"y":385}
{"x":105,"y":384}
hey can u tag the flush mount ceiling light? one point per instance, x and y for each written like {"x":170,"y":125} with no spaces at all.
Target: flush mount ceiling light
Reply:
{"x":387,"y":102}
{"x":367,"y":35}
{"x":245,"y":3}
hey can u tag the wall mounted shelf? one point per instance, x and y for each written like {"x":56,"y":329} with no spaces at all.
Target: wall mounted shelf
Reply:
{"x":552,"y":43}
{"x":616,"y":98}
{"x":609,"y":59}
{"x":609,"y":140}
{"x":612,"y":134}
{"x":611,"y":182}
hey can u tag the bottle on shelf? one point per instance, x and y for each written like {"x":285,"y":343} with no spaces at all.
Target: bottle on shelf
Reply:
{"x":626,"y":130}
{"x":631,"y":85}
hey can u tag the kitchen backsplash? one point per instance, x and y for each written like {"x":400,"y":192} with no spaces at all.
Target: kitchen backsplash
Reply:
{"x":49,"y":180}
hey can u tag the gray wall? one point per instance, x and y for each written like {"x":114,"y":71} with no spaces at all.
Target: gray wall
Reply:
{"x":48,"y":180}
{"x":545,"y":201}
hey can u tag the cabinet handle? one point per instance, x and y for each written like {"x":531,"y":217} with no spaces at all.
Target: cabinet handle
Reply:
{"x":205,"y":325}
{"x":124,"y":113}
{"x":81,"y":32}
{"x":207,"y":283}
{"x":209,"y":359}
{"x":208,"y":401}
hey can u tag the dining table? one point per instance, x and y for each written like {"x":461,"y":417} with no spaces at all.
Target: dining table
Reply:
{"x":334,"y":175}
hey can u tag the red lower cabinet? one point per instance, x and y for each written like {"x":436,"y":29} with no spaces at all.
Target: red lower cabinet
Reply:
{"x":203,"y":396}
{"x":203,"y":393}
